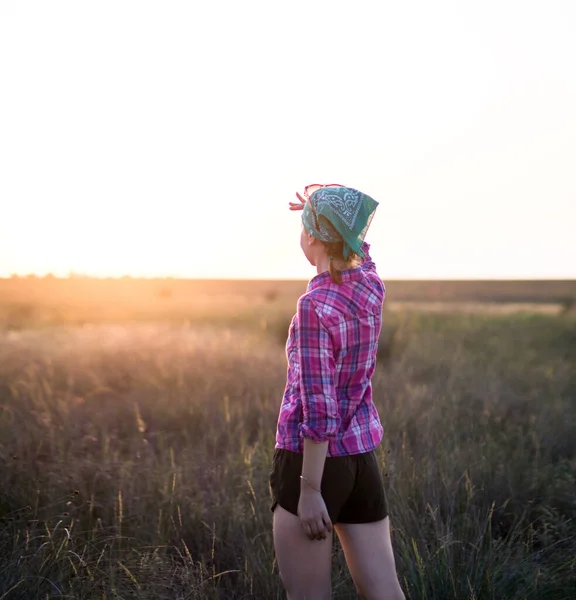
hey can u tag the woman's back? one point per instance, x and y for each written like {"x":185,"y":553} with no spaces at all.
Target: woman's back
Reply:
{"x":331,"y":352}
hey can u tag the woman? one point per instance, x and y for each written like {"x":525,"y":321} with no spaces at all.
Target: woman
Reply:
{"x":325,"y":474}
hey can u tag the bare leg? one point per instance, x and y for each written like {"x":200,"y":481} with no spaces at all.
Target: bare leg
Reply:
{"x":304,"y":564}
{"x":368,"y":551}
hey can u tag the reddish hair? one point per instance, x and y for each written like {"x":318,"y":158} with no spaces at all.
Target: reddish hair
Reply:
{"x":335,"y":251}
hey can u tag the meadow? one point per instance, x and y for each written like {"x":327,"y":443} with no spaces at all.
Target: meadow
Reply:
{"x":137,"y":425}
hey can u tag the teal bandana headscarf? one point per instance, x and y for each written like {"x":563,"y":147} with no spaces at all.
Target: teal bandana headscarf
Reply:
{"x":338,"y":213}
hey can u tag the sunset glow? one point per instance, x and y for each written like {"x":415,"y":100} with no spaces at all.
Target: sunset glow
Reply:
{"x":166,"y":139}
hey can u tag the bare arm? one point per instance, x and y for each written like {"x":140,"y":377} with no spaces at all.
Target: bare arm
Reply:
{"x":313,"y":464}
{"x":312,"y":510}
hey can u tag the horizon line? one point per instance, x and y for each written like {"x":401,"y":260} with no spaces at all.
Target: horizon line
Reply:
{"x":50,"y":276}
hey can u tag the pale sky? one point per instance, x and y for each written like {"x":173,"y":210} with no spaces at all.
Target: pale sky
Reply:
{"x":167,"y":138}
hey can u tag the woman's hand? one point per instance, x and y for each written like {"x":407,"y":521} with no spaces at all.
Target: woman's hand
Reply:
{"x":298,"y":205}
{"x":313,"y":514}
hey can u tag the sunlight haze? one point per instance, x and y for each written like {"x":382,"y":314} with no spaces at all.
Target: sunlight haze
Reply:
{"x":166,"y":139}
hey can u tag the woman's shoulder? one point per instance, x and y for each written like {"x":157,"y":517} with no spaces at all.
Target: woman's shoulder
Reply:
{"x":321,"y":301}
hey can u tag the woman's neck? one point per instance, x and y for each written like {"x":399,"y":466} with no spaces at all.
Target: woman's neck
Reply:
{"x":323,"y":264}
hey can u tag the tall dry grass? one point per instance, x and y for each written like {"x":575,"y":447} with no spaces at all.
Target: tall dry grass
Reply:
{"x":134,"y":459}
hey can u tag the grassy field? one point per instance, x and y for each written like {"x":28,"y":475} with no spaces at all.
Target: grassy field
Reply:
{"x":135,"y":446}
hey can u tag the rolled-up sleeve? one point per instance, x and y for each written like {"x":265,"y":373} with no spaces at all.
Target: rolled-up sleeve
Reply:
{"x":321,"y":419}
{"x":367,"y":262}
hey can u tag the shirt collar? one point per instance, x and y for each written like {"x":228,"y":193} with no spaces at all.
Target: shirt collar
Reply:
{"x":322,"y":279}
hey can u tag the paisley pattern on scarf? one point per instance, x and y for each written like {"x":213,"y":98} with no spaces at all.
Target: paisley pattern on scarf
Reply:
{"x":346,"y":207}
{"x":335,"y":214}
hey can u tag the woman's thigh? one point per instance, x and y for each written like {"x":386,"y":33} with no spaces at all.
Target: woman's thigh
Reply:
{"x":304,"y":564}
{"x":368,"y":551}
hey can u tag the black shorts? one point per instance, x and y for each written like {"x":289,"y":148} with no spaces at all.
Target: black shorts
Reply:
{"x":352,"y":486}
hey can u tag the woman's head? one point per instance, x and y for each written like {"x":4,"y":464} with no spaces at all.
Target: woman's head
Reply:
{"x":335,"y":220}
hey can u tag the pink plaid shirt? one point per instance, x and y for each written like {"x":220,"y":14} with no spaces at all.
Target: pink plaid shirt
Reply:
{"x":331,"y":351}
